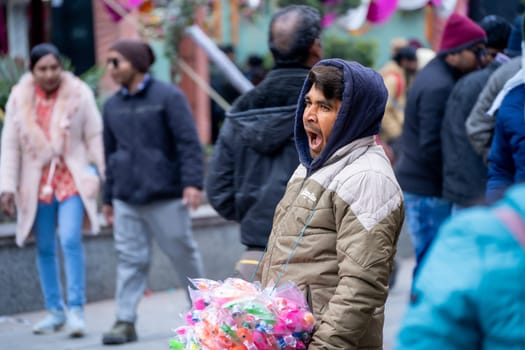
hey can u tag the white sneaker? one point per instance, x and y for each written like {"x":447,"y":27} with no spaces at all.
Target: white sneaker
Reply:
{"x":54,"y":321}
{"x":75,"y":322}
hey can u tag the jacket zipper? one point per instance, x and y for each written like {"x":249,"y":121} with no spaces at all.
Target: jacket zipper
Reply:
{"x":272,"y":248}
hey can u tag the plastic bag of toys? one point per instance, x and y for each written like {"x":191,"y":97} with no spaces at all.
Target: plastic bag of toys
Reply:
{"x":239,"y":315}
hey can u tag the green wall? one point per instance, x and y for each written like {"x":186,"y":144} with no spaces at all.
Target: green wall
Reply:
{"x":161,"y":67}
{"x":253,"y":34}
{"x":253,"y":37}
{"x":408,"y":24}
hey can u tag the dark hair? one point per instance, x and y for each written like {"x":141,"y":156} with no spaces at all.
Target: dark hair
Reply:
{"x":41,"y":50}
{"x":227,"y":48}
{"x":291,"y":44}
{"x":498,"y":31}
{"x":255,"y":61}
{"x":415,"y":43}
{"x":329,"y":80}
{"x":408,"y":53}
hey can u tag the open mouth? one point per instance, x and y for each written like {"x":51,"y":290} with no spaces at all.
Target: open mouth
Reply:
{"x":315,"y":141}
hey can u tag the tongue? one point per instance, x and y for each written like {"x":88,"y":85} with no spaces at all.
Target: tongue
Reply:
{"x":315,"y":140}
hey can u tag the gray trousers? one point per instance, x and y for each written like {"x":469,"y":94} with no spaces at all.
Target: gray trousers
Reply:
{"x":135,"y":225}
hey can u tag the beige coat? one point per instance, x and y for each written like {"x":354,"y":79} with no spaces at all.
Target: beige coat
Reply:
{"x":76,"y":135}
{"x":349,"y":213}
{"x":392,"y":124}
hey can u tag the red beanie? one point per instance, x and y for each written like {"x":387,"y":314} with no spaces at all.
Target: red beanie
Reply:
{"x":460,"y":33}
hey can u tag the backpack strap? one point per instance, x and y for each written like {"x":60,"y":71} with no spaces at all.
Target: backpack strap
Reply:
{"x":513,"y":222}
{"x":400,"y":86}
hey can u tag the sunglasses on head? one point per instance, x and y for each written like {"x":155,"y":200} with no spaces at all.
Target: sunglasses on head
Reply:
{"x":113,"y":61}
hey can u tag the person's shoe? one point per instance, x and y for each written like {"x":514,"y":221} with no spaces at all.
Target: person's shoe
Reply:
{"x":75,"y":322}
{"x":54,"y":321}
{"x":122,"y":332}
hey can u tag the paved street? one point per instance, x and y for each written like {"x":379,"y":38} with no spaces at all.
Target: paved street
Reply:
{"x":159,"y":313}
{"x":397,"y":302}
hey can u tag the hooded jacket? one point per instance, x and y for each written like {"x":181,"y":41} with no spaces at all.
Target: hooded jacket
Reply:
{"x":480,"y":124}
{"x":464,"y":172}
{"x":469,"y":292}
{"x":255,"y":155}
{"x":507,"y":153}
{"x":339,"y":220}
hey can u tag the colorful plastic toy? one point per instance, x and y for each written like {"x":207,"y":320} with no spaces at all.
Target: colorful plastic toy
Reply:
{"x":238,"y":315}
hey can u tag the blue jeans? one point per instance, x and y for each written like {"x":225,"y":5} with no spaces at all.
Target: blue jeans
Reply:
{"x":70,"y":216}
{"x":424,"y":216}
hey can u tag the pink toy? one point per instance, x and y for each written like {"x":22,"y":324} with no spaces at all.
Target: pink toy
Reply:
{"x":238,"y":315}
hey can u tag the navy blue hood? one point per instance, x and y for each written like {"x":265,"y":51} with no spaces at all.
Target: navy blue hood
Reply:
{"x":362,"y":108}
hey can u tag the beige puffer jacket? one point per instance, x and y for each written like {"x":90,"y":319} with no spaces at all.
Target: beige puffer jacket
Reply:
{"x":351,"y":211}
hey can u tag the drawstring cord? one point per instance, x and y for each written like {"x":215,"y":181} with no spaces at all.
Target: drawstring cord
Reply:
{"x":47,"y":189}
{"x":293,"y":249}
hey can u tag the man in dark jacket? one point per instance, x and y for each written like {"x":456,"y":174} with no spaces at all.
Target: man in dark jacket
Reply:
{"x":154,"y":176}
{"x":464,"y":173}
{"x":419,"y":169}
{"x":255,"y":154}
{"x":482,"y":119}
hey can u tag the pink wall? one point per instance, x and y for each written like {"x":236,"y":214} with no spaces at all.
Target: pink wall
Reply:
{"x":192,"y":54}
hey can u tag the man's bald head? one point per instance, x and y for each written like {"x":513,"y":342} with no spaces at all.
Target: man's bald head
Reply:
{"x":293,"y":31}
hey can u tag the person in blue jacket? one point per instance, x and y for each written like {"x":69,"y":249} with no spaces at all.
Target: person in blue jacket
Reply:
{"x":506,"y":159}
{"x":469,"y":292}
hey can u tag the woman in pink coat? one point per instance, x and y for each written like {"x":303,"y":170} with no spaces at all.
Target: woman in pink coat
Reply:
{"x":51,"y":139}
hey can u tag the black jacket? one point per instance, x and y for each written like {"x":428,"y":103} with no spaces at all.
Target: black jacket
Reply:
{"x":464,"y":173}
{"x":151,"y":145}
{"x":255,"y":155}
{"x":419,"y":169}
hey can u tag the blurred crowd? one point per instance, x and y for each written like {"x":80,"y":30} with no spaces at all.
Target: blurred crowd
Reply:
{"x":321,"y":164}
